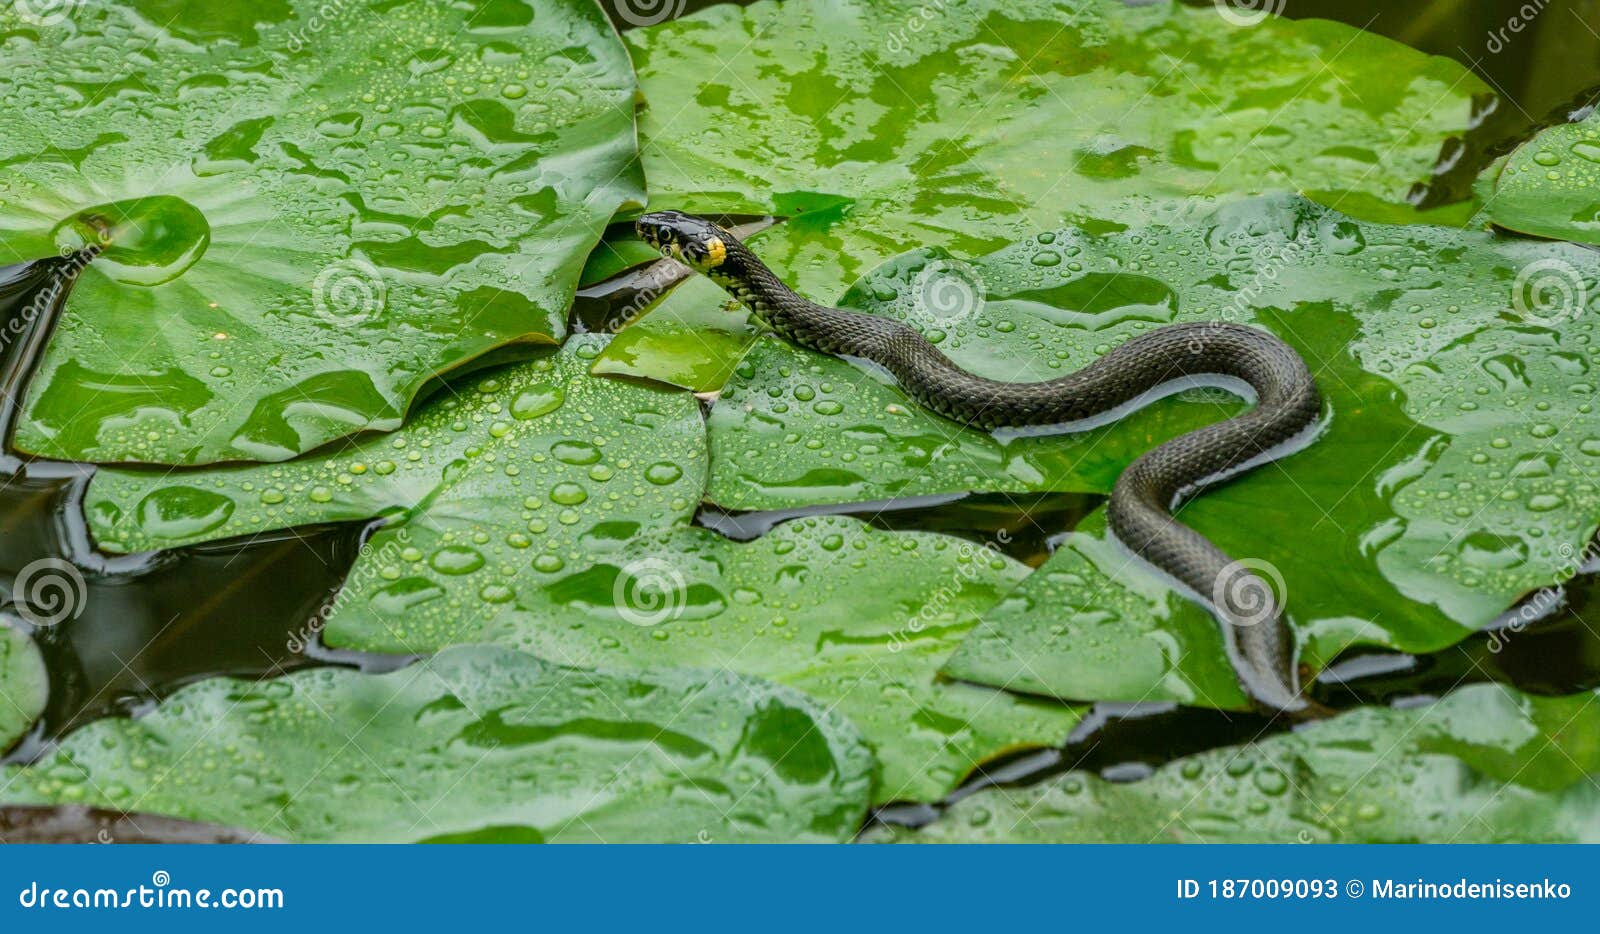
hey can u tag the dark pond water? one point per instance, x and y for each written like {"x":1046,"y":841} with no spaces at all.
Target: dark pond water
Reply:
{"x":153,"y":623}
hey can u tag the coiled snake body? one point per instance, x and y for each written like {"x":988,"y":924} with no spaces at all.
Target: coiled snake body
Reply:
{"x":1142,"y":501}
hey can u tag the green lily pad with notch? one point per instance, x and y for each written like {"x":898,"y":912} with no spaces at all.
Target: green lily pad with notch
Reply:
{"x":24,"y":685}
{"x":488,"y":494}
{"x":859,"y":619}
{"x":880,"y":127}
{"x":1550,"y":185}
{"x":305,"y":219}
{"x":692,"y":336}
{"x":481,"y":745}
{"x":1484,"y":765}
{"x":1457,"y":471}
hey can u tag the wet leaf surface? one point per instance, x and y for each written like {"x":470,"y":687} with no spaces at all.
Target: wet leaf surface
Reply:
{"x":691,"y":336}
{"x":1550,"y":186}
{"x":1484,"y":765}
{"x":881,"y":127}
{"x":1453,"y":477}
{"x":23,"y":684}
{"x":308,"y":218}
{"x":859,"y":619}
{"x":477,"y":745}
{"x":490,"y":491}
{"x":303,"y":229}
{"x":566,"y":535}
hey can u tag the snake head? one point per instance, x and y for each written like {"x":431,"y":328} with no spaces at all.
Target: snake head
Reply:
{"x":697,"y":243}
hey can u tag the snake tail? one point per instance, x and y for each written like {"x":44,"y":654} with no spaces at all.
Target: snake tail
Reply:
{"x":1145,"y":496}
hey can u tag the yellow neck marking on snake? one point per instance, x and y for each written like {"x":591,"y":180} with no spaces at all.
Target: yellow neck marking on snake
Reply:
{"x":716,"y":251}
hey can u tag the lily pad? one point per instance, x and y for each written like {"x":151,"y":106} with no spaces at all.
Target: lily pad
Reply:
{"x":534,"y":468}
{"x":1453,"y":477}
{"x":306,"y":218}
{"x":539,"y":534}
{"x":880,"y":126}
{"x":1484,"y":765}
{"x":692,"y":336}
{"x":1550,"y":186}
{"x":478,"y":744}
{"x":24,"y":685}
{"x":859,"y":619}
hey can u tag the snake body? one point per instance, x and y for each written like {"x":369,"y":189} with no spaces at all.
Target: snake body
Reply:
{"x":1140,"y":510}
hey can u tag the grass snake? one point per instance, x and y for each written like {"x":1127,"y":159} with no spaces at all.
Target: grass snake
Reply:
{"x":1140,"y":510}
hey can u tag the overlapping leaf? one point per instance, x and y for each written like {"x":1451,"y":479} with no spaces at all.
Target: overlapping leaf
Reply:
{"x":536,"y":468}
{"x":308,"y":216}
{"x":1458,"y":470}
{"x":23,"y":685}
{"x":476,"y":745}
{"x":1485,"y":765}
{"x":861,"y":620}
{"x":882,"y":127}
{"x":555,"y":534}
{"x":1550,"y":186}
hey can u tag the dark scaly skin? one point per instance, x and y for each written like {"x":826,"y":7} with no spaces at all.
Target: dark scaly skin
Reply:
{"x":1141,"y":504}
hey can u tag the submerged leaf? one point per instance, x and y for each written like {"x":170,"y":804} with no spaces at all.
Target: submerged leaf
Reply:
{"x":1484,"y":765}
{"x":306,"y":218}
{"x":478,"y":745}
{"x":880,"y":126}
